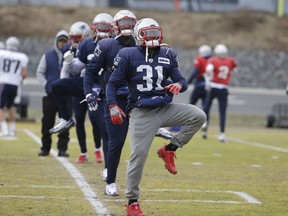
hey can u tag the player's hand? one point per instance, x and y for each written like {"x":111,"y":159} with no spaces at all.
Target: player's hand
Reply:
{"x":91,"y":102}
{"x":68,"y":57}
{"x":174,"y":88}
{"x":116,"y":114}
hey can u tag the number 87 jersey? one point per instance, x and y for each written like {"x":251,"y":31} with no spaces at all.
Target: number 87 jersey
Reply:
{"x":11,"y":64}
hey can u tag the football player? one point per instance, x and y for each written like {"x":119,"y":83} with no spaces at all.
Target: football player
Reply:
{"x":105,"y":52}
{"x":218,"y":73}
{"x":102,"y":28}
{"x":199,"y":91}
{"x":13,"y":70}
{"x":145,"y":69}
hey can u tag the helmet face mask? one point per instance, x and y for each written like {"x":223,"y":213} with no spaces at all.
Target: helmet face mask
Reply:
{"x":78,"y":32}
{"x":124,"y":22}
{"x":147,"y":32}
{"x":102,"y":25}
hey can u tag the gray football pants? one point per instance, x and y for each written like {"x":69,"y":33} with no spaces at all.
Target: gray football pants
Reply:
{"x":143,"y":125}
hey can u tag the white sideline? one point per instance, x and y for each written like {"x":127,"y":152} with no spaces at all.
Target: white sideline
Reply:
{"x":90,"y":195}
{"x":261,"y":145}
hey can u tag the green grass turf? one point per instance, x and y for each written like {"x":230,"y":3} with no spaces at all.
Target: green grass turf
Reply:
{"x":209,"y":175}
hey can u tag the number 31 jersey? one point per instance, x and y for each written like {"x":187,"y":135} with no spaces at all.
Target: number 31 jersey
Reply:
{"x":11,"y":64}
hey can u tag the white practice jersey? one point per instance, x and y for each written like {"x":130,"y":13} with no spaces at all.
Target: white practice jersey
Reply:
{"x":11,"y":64}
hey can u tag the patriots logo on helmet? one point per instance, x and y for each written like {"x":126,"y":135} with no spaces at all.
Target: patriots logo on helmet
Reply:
{"x":82,"y":27}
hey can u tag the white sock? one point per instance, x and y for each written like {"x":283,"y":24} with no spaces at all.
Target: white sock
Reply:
{"x":4,"y":127}
{"x":12,"y":126}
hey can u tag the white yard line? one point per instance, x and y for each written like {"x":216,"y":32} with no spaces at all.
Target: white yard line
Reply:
{"x":261,"y":145}
{"x":90,"y":195}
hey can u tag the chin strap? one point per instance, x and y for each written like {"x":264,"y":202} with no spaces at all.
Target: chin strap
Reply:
{"x":146,"y":54}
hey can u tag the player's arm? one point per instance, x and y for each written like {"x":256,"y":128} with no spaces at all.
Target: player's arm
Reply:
{"x":92,"y":69}
{"x":24,"y":70}
{"x":194,"y":74}
{"x":74,"y":65}
{"x":41,"y":71}
{"x":115,"y":81}
{"x":179,"y":83}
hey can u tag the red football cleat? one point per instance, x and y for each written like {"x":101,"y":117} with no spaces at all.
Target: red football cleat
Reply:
{"x":82,"y":159}
{"x":134,"y":210}
{"x":168,"y":158}
{"x":98,"y":156}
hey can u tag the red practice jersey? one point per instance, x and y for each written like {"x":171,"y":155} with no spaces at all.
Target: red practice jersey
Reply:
{"x":200,"y":62}
{"x":223,"y":68}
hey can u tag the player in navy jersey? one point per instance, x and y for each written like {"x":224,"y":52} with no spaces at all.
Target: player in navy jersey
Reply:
{"x":146,"y":68}
{"x":73,"y":86}
{"x":105,"y":52}
{"x":104,"y":55}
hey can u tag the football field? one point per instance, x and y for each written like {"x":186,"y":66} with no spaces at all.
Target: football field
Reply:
{"x":248,"y":175}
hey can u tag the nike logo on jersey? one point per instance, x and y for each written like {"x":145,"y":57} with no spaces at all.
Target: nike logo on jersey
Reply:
{"x":163,"y":60}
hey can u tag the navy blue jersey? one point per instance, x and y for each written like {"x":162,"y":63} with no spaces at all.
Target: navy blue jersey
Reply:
{"x":68,"y":47}
{"x":105,"y":52}
{"x":86,"y":49}
{"x":145,"y":79}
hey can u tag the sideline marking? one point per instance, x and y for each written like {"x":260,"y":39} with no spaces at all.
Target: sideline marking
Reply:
{"x":261,"y":145}
{"x":90,"y":195}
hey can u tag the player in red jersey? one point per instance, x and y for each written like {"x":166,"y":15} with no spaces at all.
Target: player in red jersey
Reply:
{"x":200,"y":62}
{"x":218,"y":73}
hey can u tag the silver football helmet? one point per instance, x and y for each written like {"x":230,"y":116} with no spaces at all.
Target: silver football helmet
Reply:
{"x":102,"y":25}
{"x":205,"y":50}
{"x":221,"y":50}
{"x":148,"y":33}
{"x":78,"y":31}
{"x":124,"y":22}
{"x":12,"y":43}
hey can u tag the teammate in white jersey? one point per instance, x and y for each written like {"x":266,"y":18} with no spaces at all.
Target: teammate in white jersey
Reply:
{"x":13,"y":69}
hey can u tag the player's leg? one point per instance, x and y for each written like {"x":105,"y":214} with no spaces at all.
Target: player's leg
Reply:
{"x":80,"y":113}
{"x":94,"y":116}
{"x":117,"y":136}
{"x":207,"y":106}
{"x":190,"y":117}
{"x":195,"y":96}
{"x":64,"y":136}
{"x":62,"y":88}
{"x":49,"y":110}
{"x":222,"y":102}
{"x":11,"y":95}
{"x":143,"y":124}
{"x":3,"y":99}
{"x":98,"y":120}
